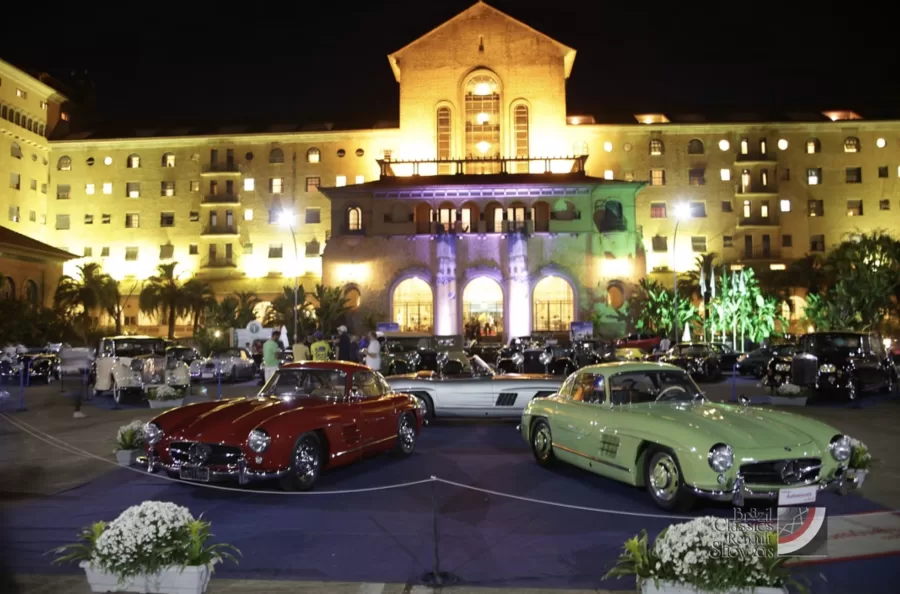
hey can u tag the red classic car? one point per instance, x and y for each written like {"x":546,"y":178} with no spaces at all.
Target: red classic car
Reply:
{"x":310,"y":416}
{"x":645,"y":342}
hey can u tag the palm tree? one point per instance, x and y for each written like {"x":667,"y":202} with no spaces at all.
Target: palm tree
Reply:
{"x":246,"y":306}
{"x":165,"y":295}
{"x":331,"y":308}
{"x":807,"y":273}
{"x":199,"y":297}
{"x":79,"y":296}
{"x":281,"y":310}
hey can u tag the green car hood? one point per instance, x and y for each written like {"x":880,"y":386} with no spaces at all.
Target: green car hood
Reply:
{"x":740,"y":427}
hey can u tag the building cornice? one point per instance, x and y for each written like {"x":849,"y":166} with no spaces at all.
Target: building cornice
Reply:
{"x":728,"y":127}
{"x":21,"y":77}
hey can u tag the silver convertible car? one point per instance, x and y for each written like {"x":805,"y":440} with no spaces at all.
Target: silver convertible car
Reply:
{"x":474,"y":389}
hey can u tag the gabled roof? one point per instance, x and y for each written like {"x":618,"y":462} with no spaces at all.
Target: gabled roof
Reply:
{"x":22,"y":244}
{"x":481,"y":7}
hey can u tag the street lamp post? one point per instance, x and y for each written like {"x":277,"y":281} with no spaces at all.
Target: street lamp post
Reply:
{"x":287,"y":220}
{"x":682,"y":212}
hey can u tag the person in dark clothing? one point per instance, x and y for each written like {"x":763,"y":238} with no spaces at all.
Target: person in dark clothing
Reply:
{"x":343,"y":344}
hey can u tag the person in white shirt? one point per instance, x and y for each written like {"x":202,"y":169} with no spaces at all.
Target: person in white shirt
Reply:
{"x":373,"y":352}
{"x":664,"y":344}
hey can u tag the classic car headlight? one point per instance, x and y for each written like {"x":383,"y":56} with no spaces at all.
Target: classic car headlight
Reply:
{"x":720,"y":457}
{"x":258,"y":441}
{"x":782,"y":367}
{"x":827,"y":368}
{"x":840,"y":447}
{"x":518,"y":358}
{"x":152,"y":433}
{"x":136,"y":365}
{"x":545,"y":358}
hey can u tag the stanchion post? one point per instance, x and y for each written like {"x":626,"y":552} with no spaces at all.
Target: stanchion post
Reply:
{"x":734,"y":383}
{"x":219,"y":374}
{"x":435,"y":578}
{"x":22,"y":389}
{"x":62,"y":376}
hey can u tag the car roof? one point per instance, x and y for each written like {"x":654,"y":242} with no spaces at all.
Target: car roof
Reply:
{"x":626,"y":366}
{"x":346,"y":366}
{"x":132,"y":337}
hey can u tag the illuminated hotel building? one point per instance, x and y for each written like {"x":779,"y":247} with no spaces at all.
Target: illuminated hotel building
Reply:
{"x":487,"y":201}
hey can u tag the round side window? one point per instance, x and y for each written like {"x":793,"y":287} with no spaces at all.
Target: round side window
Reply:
{"x":90,"y":161}
{"x":360,"y":152}
{"x":249,"y":156}
{"x":341,"y":152}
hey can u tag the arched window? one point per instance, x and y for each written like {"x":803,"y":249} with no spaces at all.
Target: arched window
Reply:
{"x":15,"y":150}
{"x":8,"y":288}
{"x":813,"y":146}
{"x":41,"y":130}
{"x":615,"y":295}
{"x":657,"y":147}
{"x":444,"y":133}
{"x":851,"y":144}
{"x":695,"y":147}
{"x":482,"y":95}
{"x":64,"y":164}
{"x":352,"y":297}
{"x":553,"y":303}
{"x":28,"y":124}
{"x":520,"y":121}
{"x":482,"y":304}
{"x":133,"y":161}
{"x":413,"y":305}
{"x":3,"y":112}
{"x":354,"y":219}
{"x":18,"y":119}
{"x":745,"y":146}
{"x":613,"y":217}
{"x":276,"y":155}
{"x":168,"y":160}
{"x":313,"y":155}
{"x":31,"y":293}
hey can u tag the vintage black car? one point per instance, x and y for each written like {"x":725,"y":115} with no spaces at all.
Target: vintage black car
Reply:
{"x":696,"y":358}
{"x":843,"y":364}
{"x":728,"y":357}
{"x":38,"y":366}
{"x":409,"y":352}
{"x":532,"y":354}
{"x":756,"y":361}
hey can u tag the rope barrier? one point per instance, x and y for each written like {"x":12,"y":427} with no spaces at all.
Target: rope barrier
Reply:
{"x":65,"y":446}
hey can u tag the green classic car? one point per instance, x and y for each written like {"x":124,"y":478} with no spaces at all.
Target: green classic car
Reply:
{"x":648,"y":425}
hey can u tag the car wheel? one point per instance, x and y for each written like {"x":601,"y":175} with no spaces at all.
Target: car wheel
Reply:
{"x":116,"y":392}
{"x":664,"y":481}
{"x":758,"y":371}
{"x":306,"y":462}
{"x":542,"y":443}
{"x":232,"y":374}
{"x":426,"y":405}
{"x":406,"y":435}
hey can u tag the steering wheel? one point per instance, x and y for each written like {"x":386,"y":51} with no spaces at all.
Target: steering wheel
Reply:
{"x":670,"y":394}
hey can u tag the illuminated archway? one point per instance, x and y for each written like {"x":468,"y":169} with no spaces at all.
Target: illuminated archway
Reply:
{"x":483,"y":307}
{"x":554,"y":305}
{"x":413,"y":305}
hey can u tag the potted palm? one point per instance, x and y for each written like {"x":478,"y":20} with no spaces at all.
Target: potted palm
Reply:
{"x":129,"y":443}
{"x":706,"y":556}
{"x":165,"y":397}
{"x":788,"y":395}
{"x":154,"y":547}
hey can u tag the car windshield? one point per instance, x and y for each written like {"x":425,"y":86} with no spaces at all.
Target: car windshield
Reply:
{"x":692,"y":350}
{"x":637,"y":387}
{"x":311,"y":383}
{"x":182,"y":354}
{"x":835,"y":342}
{"x":785,"y":349}
{"x":133,"y":348}
{"x":405,"y":345}
{"x":479,"y":368}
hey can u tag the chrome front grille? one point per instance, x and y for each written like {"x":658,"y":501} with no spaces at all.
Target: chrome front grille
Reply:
{"x":204,"y":454}
{"x":782,"y":472}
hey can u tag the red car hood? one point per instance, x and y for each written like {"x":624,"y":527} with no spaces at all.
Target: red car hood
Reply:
{"x":232,"y":420}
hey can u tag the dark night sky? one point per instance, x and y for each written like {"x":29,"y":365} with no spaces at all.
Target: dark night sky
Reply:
{"x":243,"y":64}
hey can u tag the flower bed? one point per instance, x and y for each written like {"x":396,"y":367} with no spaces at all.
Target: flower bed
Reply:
{"x":165,"y":396}
{"x":129,"y":442}
{"x":706,"y":555}
{"x":146,"y":548}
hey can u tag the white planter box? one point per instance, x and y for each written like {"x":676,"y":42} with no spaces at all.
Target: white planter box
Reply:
{"x":127,"y":457}
{"x":649,"y":587}
{"x":787,"y":400}
{"x":175,"y":580}
{"x":165,"y":403}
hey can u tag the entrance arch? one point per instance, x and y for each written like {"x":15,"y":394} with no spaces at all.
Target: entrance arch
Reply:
{"x":553,"y":301}
{"x":413,"y":305}
{"x":483,"y":308}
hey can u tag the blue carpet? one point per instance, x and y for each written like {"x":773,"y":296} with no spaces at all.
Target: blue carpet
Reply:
{"x":386,"y":536}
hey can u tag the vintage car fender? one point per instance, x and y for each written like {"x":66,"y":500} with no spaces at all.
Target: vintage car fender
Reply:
{"x":124,"y":376}
{"x":179,"y":376}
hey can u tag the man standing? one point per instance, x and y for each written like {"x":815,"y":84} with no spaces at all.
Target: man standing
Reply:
{"x":373,"y":352}
{"x":664,"y":344}
{"x":301,"y":351}
{"x":319,"y":349}
{"x":343,"y":344}
{"x":271,"y":349}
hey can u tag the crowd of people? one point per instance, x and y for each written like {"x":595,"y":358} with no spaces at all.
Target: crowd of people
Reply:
{"x":344,"y":347}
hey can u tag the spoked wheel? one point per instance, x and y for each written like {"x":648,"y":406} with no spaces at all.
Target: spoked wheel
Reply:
{"x":665,"y":483}
{"x":542,"y":443}
{"x":426,"y":406}
{"x":306,"y":462}
{"x":406,"y":435}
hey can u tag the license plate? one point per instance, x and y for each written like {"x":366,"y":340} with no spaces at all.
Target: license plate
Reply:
{"x":797,"y":496}
{"x":207,"y":374}
{"x":194,"y":474}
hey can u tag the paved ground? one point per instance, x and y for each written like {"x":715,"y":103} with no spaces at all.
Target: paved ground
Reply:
{"x":30,"y":468}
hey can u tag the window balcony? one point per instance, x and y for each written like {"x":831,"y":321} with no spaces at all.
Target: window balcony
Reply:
{"x":221,"y":230}
{"x":218,"y":262}
{"x":756,"y":188}
{"x":755,"y":158}
{"x":220,"y":169}
{"x":221,"y":200}
{"x":484,"y":166}
{"x":760,"y":254}
{"x":758,"y":221}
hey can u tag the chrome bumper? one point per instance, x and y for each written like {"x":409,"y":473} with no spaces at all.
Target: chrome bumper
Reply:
{"x":238,"y":472}
{"x":740,"y":491}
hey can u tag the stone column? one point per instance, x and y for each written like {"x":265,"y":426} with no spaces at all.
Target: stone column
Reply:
{"x":517,"y":317}
{"x":445,"y":305}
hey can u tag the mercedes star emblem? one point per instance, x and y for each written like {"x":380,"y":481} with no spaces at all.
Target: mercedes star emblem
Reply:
{"x":199,"y":453}
{"x":789,"y":472}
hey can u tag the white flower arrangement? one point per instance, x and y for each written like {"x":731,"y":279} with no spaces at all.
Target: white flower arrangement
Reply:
{"x":146,"y":539}
{"x":787,"y":390}
{"x":708,"y":554}
{"x":860,"y":458}
{"x":130,"y":436}
{"x":165,"y":393}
